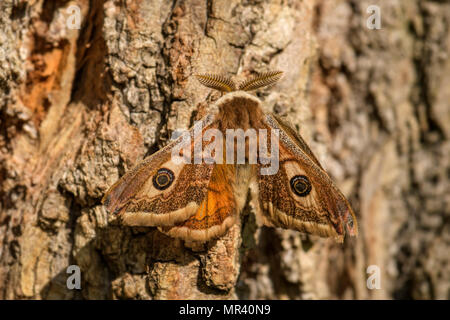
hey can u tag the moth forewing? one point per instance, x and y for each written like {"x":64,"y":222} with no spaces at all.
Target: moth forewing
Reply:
{"x":323,"y":210}
{"x":140,"y":201}
{"x":295,"y":137}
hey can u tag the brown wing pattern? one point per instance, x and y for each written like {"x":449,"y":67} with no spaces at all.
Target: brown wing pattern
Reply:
{"x":201,"y":201}
{"x":321,"y":209}
{"x":217,"y":212}
{"x":198,"y":205}
{"x":137,"y":200}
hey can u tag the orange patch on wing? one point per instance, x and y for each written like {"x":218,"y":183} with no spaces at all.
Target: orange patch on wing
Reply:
{"x":218,"y":204}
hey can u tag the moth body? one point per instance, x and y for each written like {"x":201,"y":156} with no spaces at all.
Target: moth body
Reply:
{"x":234,"y":149}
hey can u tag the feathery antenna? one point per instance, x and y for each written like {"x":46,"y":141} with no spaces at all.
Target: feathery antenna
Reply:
{"x":261,"y":80}
{"x":226,"y":84}
{"x":216,"y":81}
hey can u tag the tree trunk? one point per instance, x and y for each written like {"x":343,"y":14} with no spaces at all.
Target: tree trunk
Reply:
{"x":80,"y":106}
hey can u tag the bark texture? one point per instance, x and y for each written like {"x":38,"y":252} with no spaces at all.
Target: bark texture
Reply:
{"x":79,"y":107}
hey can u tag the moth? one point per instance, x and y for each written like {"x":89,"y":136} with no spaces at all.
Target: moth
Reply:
{"x":201,"y":200}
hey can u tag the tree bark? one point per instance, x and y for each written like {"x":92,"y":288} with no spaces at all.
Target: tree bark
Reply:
{"x":80,"y":107}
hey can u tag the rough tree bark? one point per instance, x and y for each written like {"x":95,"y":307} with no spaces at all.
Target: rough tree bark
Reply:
{"x":79,"y":107}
